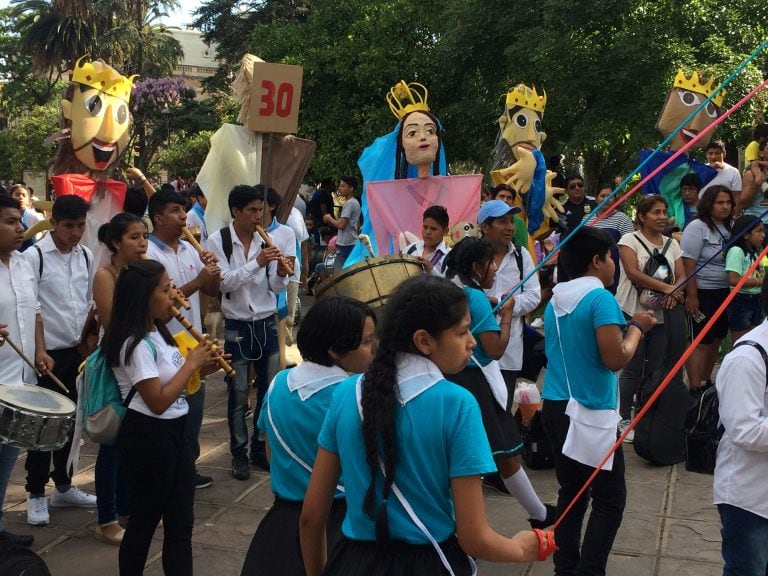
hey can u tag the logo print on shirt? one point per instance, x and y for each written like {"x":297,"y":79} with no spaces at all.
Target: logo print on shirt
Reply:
{"x":177,"y":359}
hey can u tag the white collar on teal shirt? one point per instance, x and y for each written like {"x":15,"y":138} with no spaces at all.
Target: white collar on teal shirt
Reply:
{"x":567,"y":295}
{"x":415,"y":374}
{"x":309,"y":378}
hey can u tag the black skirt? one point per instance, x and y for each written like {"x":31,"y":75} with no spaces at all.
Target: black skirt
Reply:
{"x":395,"y":558}
{"x":275,"y":547}
{"x":500,"y":426}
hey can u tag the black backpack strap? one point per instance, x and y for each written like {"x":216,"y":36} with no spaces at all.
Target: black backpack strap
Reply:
{"x":87,"y":260}
{"x":226,"y":246}
{"x":759,"y":349}
{"x":40,"y":264}
{"x":666,"y":245}
{"x":518,"y":259}
{"x":643,"y":244}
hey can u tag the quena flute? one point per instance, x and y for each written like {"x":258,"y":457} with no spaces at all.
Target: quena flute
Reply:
{"x":31,"y":364}
{"x":199,"y":337}
{"x":187,"y":233}
{"x":268,"y":241}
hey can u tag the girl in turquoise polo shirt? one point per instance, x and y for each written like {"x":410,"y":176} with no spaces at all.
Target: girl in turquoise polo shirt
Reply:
{"x":336,"y":338}
{"x":744,"y":311}
{"x":412,"y":449}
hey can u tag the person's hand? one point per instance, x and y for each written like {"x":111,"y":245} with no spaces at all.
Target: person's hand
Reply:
{"x":645,"y":319}
{"x":508,"y":306}
{"x":201,"y":355}
{"x":692,"y":305}
{"x":208,"y":257}
{"x":213,"y":364}
{"x":3,"y":333}
{"x":135,"y":174}
{"x":327,"y":218}
{"x":43,"y":362}
{"x":209,"y":273}
{"x":267,"y":255}
{"x":427,"y":264}
{"x":529,"y":545}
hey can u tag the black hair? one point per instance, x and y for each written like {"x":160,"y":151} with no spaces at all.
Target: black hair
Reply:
{"x":326,"y":231}
{"x":273,"y":198}
{"x":242,"y":195}
{"x":707,"y":202}
{"x":9,"y":202}
{"x":741,"y":227}
{"x":350,"y":181}
{"x":135,"y":201}
{"x":332,"y":323}
{"x":691,"y":179}
{"x":130,"y":311}
{"x":465,"y":253}
{"x":115,"y":229}
{"x":571,"y":177}
{"x":167,"y":187}
{"x":438,"y":213}
{"x":495,"y":190}
{"x":645,"y":205}
{"x":327,"y":185}
{"x":760,"y":131}
{"x":163,"y":198}
{"x":195,"y":191}
{"x":401,"y":164}
{"x":576,"y":255}
{"x":716,"y":144}
{"x":69,"y":207}
{"x":419,"y":303}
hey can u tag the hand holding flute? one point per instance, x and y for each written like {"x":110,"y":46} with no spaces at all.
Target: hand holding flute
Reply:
{"x":219,"y":358}
{"x":283,"y":261}
{"x":206,"y":256}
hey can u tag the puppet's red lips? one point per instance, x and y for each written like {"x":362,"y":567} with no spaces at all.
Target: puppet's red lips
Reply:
{"x":687,"y":135}
{"x":102,"y":152}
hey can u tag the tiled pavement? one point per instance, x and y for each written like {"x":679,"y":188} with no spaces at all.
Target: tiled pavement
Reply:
{"x":670,"y":526}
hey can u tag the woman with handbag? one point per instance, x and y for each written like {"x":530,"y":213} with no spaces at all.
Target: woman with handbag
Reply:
{"x":651,"y":272}
{"x":704,"y":238}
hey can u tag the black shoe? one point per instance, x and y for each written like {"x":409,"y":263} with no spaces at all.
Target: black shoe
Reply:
{"x":18,"y":539}
{"x":548,"y":521}
{"x":494,"y":482}
{"x":259,"y":459}
{"x":240,"y":470}
{"x":202,"y":481}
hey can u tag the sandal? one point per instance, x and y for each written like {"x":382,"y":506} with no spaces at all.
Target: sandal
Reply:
{"x":111,"y":533}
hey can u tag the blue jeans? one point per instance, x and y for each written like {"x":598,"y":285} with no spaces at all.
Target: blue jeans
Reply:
{"x":111,"y":490}
{"x":8,"y":455}
{"x":745,"y":542}
{"x":249,"y":343}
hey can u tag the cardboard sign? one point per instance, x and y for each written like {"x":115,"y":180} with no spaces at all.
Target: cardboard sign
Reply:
{"x":275,"y":98}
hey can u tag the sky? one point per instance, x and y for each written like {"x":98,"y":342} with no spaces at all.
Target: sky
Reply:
{"x":178,"y":18}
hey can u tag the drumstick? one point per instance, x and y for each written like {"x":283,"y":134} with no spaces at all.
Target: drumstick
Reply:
{"x":200,"y":338}
{"x":367,"y":243}
{"x":269,"y":244}
{"x":31,"y":364}
{"x":197,"y":246}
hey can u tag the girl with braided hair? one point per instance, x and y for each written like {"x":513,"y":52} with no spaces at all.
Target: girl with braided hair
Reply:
{"x":412,"y":449}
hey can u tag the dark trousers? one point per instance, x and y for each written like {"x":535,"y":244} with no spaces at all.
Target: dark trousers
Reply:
{"x":38,"y":464}
{"x":159,"y":470}
{"x":196,"y":404}
{"x":608,"y":492}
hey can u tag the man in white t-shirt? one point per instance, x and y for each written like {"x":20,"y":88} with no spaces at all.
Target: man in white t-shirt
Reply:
{"x":727,"y":175}
{"x":349,"y":220}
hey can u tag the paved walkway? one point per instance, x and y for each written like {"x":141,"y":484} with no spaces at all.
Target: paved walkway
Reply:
{"x":670,"y":526}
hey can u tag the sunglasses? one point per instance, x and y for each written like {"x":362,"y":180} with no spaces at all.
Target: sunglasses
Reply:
{"x":574,"y":186}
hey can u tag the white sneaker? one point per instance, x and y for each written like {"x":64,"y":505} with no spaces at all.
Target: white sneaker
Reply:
{"x":73,"y":497}
{"x":623,"y":426}
{"x":37,"y":511}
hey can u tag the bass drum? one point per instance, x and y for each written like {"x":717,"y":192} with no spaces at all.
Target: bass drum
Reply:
{"x":35,"y":418}
{"x":373,"y":280}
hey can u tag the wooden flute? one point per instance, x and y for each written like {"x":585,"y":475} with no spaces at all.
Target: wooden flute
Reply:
{"x":268,"y":241}
{"x":199,"y":337}
{"x":190,"y":237}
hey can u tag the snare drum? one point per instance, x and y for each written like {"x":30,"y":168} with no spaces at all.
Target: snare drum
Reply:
{"x":34,"y":418}
{"x":373,"y":280}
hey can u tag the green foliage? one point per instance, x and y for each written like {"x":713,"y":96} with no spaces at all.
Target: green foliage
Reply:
{"x":21,"y":146}
{"x":186,"y":154}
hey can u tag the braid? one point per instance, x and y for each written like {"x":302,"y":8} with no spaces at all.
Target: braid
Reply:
{"x":464,"y":254}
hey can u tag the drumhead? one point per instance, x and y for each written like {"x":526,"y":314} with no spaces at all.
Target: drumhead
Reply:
{"x":36,"y":399}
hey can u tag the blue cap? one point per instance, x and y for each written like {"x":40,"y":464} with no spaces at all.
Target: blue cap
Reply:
{"x":494,"y":209}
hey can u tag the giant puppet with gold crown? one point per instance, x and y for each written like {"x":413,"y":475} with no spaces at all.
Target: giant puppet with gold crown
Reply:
{"x":404,"y":172}
{"x":519,"y":163}
{"x":95,"y":129}
{"x":687,"y":93}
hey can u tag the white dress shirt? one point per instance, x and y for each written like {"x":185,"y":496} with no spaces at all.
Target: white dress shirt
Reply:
{"x":18,"y":308}
{"x":64,"y":290}
{"x":526,"y":297}
{"x":296,"y":223}
{"x":248,"y":289}
{"x":437,"y":258}
{"x":183,"y":266}
{"x":742,"y":456}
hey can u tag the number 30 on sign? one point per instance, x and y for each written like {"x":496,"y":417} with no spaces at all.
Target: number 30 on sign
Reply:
{"x":275,"y":98}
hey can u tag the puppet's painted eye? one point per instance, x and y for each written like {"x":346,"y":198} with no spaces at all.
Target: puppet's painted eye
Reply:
{"x":711,"y":110}
{"x":521,"y":120}
{"x":121,"y":114}
{"x":689,"y":98}
{"x":94,"y":105}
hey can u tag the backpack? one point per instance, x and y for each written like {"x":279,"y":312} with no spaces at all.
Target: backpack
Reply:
{"x":16,"y":560}
{"x":537,"y":450}
{"x":100,"y":406}
{"x":703,"y":428}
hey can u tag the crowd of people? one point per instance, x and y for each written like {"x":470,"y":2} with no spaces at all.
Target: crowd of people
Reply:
{"x":380,"y":441}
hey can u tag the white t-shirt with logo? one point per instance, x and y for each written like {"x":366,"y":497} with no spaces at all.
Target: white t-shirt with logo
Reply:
{"x":143,"y":366}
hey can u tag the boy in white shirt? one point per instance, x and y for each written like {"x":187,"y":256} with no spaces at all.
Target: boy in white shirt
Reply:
{"x":432,"y":249}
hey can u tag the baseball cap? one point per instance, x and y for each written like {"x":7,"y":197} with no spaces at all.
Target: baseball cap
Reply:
{"x":494,"y":209}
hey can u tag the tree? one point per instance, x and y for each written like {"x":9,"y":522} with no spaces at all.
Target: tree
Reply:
{"x":22,"y":145}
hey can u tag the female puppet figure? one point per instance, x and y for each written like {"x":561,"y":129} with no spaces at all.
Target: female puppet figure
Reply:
{"x":337,"y":338}
{"x":411,"y":447}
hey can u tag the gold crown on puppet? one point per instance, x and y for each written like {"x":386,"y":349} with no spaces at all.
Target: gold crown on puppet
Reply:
{"x":406,"y":98}
{"x":696,"y":84}
{"x":526,"y":97}
{"x":103,"y":77}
